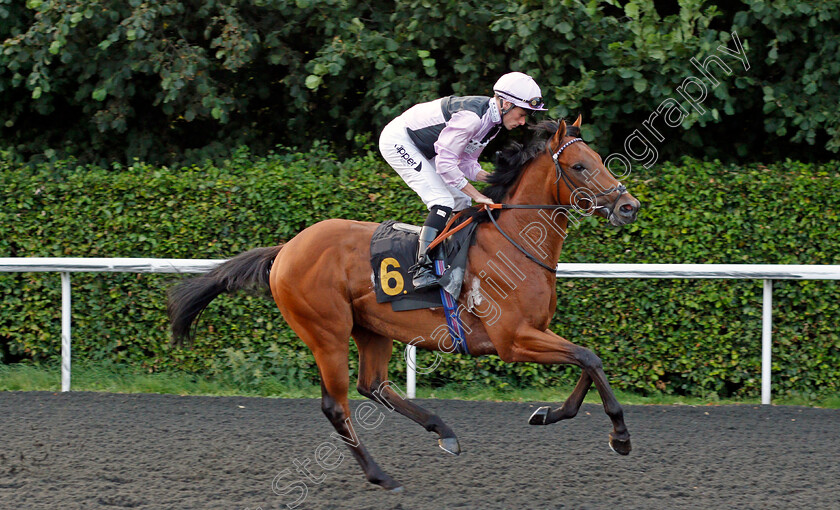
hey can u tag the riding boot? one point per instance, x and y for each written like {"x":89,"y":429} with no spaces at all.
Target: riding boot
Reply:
{"x":423,"y":271}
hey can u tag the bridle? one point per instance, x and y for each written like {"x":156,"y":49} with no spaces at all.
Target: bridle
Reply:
{"x":569,"y":184}
{"x":620,"y":188}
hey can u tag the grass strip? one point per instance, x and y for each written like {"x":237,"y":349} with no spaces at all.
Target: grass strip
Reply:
{"x":125,"y":379}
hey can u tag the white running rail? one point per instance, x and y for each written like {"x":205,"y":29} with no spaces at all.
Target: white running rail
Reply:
{"x":65,"y":266}
{"x":766,"y":272}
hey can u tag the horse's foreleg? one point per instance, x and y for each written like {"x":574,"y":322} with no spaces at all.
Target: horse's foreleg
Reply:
{"x":548,"y":348}
{"x":569,"y":409}
{"x":374,"y":354}
{"x":620,"y":437}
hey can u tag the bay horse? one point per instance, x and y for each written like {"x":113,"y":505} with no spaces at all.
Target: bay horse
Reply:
{"x":322,"y":283}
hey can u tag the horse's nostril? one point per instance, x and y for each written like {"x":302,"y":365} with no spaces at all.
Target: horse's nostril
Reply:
{"x":627,"y":208}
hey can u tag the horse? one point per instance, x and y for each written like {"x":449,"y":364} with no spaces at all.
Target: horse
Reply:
{"x":321,"y":281}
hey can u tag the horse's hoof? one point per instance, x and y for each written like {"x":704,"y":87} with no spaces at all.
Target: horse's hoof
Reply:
{"x":620,"y":446}
{"x":450,"y":445}
{"x":540,"y":416}
{"x":389,"y":484}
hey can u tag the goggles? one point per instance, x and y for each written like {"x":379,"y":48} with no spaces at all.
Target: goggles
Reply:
{"x":535,"y":102}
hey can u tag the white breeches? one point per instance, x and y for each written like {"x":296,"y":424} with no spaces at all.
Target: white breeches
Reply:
{"x":417,"y":171}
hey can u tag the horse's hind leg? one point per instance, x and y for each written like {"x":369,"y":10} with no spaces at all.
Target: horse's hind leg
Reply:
{"x":374,"y":354}
{"x":335,"y":380}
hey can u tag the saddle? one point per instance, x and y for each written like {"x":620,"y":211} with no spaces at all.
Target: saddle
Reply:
{"x":393,"y":249}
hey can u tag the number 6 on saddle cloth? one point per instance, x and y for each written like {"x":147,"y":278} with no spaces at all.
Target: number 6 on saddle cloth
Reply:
{"x":393,"y":249}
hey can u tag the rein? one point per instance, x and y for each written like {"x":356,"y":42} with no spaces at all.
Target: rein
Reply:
{"x":514,"y":243}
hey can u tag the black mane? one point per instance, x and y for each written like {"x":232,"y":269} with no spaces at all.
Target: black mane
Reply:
{"x":512,"y":159}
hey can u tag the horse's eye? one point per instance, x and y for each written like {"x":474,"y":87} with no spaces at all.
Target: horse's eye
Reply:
{"x":578,"y":167}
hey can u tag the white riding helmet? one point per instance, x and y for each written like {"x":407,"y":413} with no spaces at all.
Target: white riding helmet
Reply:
{"x":521,"y":90}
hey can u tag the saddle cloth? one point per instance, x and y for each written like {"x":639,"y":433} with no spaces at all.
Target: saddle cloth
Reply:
{"x":393,"y":250}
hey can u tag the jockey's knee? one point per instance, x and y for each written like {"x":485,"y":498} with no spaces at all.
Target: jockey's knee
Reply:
{"x":442,"y":202}
{"x":438,"y":214}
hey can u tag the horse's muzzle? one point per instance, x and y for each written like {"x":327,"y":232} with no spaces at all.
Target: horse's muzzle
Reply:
{"x":624,"y":210}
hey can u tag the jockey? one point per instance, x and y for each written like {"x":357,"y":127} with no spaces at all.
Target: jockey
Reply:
{"x":435,"y":146}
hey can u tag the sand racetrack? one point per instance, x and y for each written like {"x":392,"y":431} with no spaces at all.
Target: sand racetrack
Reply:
{"x":100,"y":450}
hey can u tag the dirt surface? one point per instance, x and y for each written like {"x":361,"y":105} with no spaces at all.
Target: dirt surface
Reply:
{"x":99,"y":450}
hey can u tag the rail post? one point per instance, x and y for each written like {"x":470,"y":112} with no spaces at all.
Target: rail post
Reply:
{"x":766,"y":340}
{"x":411,"y":371}
{"x":65,"y":330}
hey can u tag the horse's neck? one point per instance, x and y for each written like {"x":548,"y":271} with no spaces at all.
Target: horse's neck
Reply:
{"x":543,"y":230}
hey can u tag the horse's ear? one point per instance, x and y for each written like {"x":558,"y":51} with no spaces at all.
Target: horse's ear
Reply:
{"x":577,"y":122}
{"x":561,"y":132}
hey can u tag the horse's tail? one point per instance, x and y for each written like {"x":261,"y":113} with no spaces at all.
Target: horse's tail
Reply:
{"x":186,"y":301}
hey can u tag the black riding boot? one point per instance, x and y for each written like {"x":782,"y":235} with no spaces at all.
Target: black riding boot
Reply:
{"x":423,"y":270}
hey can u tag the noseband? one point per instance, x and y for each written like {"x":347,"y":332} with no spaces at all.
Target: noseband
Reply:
{"x":572,"y":188}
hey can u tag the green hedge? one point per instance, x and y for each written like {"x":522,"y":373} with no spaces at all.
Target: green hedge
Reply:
{"x":697,"y":337}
